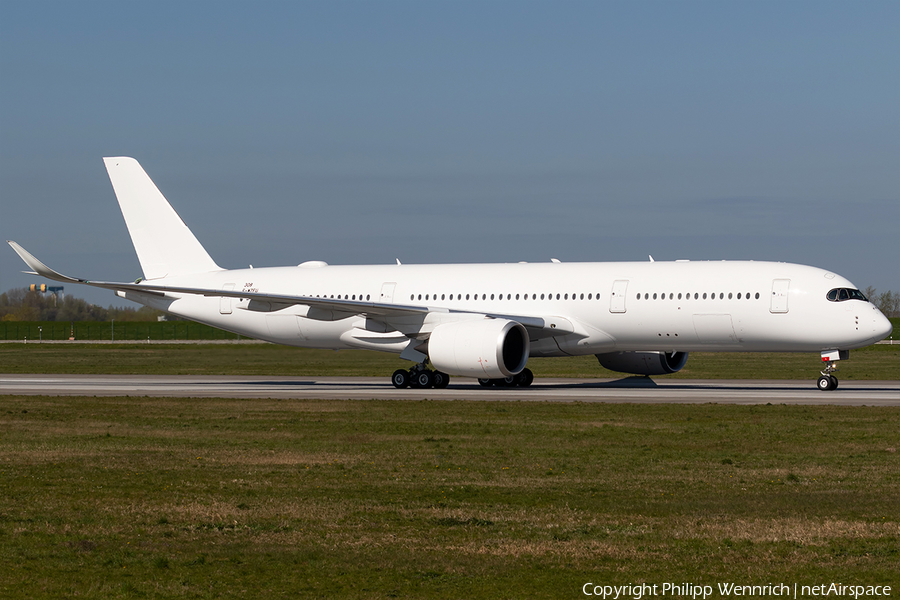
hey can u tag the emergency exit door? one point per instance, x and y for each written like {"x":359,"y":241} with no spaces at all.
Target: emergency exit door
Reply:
{"x":225,"y":301}
{"x":617,"y":297}
{"x":387,"y":292}
{"x":780,"y":288}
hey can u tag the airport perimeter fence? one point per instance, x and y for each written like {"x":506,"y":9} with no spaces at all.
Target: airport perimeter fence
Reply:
{"x":111,"y":331}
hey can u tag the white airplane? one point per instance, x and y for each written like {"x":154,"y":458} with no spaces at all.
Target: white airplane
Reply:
{"x":486,"y":320}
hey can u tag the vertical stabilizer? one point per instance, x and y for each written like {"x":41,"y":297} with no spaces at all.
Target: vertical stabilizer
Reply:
{"x":163,"y":243}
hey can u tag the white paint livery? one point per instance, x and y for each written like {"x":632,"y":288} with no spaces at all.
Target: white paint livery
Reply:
{"x":486,"y":320}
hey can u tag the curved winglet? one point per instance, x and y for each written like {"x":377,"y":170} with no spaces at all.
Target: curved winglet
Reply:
{"x":39,"y":268}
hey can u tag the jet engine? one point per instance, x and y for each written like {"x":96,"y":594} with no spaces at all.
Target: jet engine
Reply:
{"x":487,"y":349}
{"x":643,"y":363}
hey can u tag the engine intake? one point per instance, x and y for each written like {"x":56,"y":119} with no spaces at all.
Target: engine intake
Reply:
{"x":484,"y":348}
{"x":643,"y":363}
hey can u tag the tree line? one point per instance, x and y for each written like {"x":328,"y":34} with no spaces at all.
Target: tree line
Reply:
{"x":888,"y":302}
{"x":23,"y":304}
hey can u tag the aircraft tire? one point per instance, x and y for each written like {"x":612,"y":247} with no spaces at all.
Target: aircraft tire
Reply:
{"x":441,"y":380}
{"x":525,"y":378}
{"x":400,"y":379}
{"x":826,"y":383}
{"x":510,"y":381}
{"x":485,"y":382}
{"x":834,"y":382}
{"x":423,"y":380}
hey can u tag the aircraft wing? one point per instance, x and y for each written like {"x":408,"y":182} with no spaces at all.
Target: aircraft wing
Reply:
{"x":537,"y":326}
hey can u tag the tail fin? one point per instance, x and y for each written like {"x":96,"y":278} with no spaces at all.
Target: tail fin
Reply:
{"x":163,"y":243}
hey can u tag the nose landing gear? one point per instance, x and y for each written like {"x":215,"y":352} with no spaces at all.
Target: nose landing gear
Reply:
{"x":827,"y":381}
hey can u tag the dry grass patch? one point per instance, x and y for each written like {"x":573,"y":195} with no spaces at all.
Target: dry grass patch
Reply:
{"x":800,"y":530}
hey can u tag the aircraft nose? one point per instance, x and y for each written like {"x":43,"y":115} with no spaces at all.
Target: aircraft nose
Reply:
{"x":882,"y":327}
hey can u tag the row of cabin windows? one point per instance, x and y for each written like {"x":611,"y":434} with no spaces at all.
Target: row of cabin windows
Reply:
{"x":471,"y":296}
{"x":344,"y":297}
{"x":645,"y":296}
{"x":415,"y":297}
{"x":696,"y":295}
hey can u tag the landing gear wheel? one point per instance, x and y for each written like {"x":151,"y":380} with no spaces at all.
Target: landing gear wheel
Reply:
{"x":485,"y":382}
{"x":510,"y":381}
{"x":400,"y":379}
{"x":441,"y":380}
{"x":827,"y":383}
{"x":423,"y":379}
{"x":525,"y":378}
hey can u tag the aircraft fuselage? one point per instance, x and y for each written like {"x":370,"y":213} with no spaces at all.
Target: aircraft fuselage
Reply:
{"x":662,"y":306}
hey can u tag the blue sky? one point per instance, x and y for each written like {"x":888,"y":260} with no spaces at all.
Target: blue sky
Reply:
{"x":361,"y":132}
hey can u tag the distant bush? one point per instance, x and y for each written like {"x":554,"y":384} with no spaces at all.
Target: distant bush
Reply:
{"x":888,"y":302}
{"x":22,"y":304}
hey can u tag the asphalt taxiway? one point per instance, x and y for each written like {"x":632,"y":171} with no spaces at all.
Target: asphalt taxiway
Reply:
{"x":630,"y":389}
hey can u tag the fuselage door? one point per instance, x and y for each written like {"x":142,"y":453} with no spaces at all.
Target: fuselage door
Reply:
{"x":225,"y":302}
{"x":617,"y":297}
{"x":387,"y":292}
{"x":780,"y":289}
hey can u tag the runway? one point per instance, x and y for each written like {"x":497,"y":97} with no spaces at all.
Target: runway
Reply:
{"x":631,"y":389}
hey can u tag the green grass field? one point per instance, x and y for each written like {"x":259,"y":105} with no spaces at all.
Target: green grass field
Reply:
{"x":215,"y":498}
{"x":231,"y":498}
{"x":878,"y":362}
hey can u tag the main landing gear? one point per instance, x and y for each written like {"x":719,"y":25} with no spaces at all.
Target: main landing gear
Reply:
{"x":523,"y":379}
{"x":419,"y":377}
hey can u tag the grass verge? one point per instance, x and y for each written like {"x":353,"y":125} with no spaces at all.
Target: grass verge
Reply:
{"x":229,"y":498}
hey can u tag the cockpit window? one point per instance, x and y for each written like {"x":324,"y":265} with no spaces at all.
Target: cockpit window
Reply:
{"x":841,"y":294}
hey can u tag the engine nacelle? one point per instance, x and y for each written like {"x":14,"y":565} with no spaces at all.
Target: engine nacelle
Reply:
{"x":643,"y":363}
{"x":486,"y":348}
